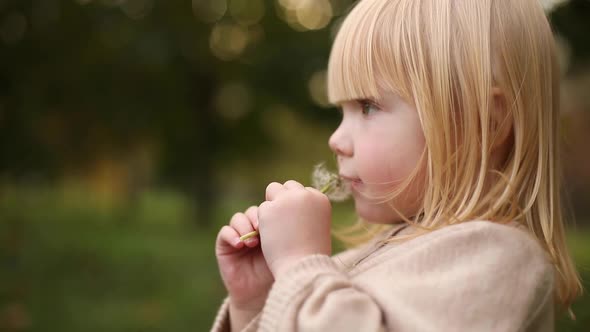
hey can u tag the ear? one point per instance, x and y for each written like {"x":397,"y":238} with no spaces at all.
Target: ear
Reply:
{"x":501,"y":122}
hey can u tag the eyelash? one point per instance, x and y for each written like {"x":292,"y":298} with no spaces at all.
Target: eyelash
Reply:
{"x":365,"y":103}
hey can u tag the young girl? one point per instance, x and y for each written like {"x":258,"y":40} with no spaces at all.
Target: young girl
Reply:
{"x":449,"y":142}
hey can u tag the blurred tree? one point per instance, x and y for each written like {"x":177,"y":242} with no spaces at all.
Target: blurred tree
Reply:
{"x":570,"y":20}
{"x":164,"y":92}
{"x":85,"y":80}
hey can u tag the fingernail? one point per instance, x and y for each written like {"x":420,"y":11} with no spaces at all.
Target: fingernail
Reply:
{"x":237,"y":241}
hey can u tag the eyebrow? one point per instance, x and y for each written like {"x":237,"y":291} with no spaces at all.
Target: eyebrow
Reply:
{"x":358,"y":101}
{"x":366,"y":100}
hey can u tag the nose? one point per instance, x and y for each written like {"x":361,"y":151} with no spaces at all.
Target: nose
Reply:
{"x":340,"y":142}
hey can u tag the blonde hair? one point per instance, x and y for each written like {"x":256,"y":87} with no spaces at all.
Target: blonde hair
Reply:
{"x":445,"y":57}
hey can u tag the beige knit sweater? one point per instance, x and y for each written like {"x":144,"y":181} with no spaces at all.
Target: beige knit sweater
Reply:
{"x":474,"y":276}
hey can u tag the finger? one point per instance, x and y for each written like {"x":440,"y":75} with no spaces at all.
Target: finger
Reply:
{"x":262,"y":208}
{"x":241,"y":223}
{"x":273,"y":190}
{"x":228,"y":239}
{"x":243,"y":226}
{"x":314,"y":190}
{"x":252,"y":214}
{"x":317,"y":192}
{"x":291,"y":184}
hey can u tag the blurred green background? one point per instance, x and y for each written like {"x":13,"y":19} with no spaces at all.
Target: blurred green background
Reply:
{"x":131,"y":130}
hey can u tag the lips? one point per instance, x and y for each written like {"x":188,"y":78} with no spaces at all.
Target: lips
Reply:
{"x":351,"y":179}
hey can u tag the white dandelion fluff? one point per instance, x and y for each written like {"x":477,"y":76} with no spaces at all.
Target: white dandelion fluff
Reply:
{"x":330,"y":183}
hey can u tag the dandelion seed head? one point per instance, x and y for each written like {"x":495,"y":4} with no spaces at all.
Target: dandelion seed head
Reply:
{"x":321,"y":176}
{"x":330,"y":183}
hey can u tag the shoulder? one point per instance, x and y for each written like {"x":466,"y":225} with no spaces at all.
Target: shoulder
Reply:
{"x":477,"y":245}
{"x":489,"y":251}
{"x":483,"y":226}
{"x":481,"y":234}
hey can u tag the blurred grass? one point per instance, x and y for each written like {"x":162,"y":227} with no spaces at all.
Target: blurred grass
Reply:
{"x":70,"y":262}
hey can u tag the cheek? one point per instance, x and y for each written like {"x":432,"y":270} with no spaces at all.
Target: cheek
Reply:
{"x":374,"y":162}
{"x":389,"y":160}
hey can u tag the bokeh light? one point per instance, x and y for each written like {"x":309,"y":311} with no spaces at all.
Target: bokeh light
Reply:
{"x":247,"y":12}
{"x":228,"y":40}
{"x":304,"y":15}
{"x":314,"y":14}
{"x":209,"y":11}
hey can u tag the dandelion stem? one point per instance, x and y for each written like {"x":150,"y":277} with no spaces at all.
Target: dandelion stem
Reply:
{"x":328,"y":186}
{"x":248,"y":235}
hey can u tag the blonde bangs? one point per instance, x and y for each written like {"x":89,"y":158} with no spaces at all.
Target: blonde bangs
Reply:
{"x":360,"y":64}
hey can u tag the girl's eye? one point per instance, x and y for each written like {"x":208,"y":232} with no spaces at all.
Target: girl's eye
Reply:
{"x":368,"y":107}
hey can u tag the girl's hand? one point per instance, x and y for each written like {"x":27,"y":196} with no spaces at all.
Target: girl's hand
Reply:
{"x":243,"y":269}
{"x":294,"y":222}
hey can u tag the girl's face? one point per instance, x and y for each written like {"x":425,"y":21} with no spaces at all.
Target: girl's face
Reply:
{"x":378,"y":144}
